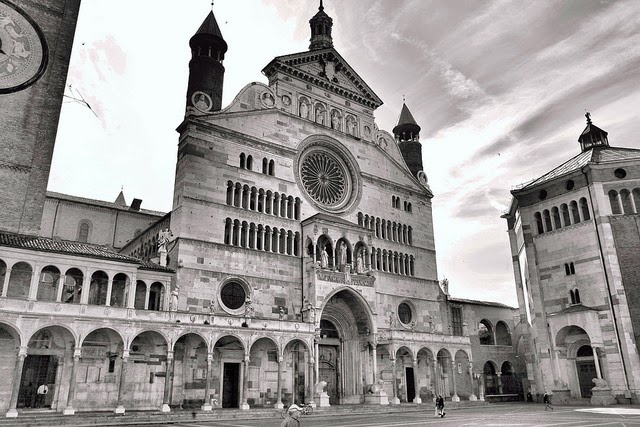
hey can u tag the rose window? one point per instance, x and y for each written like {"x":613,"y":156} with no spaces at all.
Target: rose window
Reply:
{"x":324,"y":178}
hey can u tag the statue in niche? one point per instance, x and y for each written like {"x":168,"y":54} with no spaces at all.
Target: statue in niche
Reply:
{"x":360,"y":262}
{"x":335,"y":120}
{"x":319,"y":115}
{"x":163,"y":239}
{"x":304,"y":110}
{"x":343,"y":254}
{"x":173,"y":303}
{"x":324,"y":258}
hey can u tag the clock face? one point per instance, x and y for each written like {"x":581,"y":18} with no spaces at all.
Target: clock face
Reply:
{"x":23,"y":50}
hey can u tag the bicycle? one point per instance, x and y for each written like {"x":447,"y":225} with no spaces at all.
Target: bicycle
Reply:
{"x":304,"y":410}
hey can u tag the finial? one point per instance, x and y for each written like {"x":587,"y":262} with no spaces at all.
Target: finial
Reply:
{"x":211,"y":5}
{"x":121,"y":187}
{"x":588,"y":116}
{"x":321,"y":7}
{"x":403,"y":98}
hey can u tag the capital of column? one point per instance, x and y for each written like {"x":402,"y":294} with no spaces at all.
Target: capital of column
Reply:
{"x":169,"y":355}
{"x":280,"y":359}
{"x":209,"y":358}
{"x":415,"y":362}
{"x":77,"y":352}
{"x":454,"y":363}
{"x":498,"y":374}
{"x":22,"y":352}
{"x":125,"y":354}
{"x":246,"y":358}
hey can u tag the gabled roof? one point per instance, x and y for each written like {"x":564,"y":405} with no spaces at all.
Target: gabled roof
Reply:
{"x":328,"y":218}
{"x":597,"y":155}
{"x":44,"y":244}
{"x":289,"y":64}
{"x":101,"y":203}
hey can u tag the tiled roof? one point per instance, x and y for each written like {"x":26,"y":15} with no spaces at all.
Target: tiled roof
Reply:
{"x":476,"y":302}
{"x":101,"y":203}
{"x":594,"y":155}
{"x":44,"y":244}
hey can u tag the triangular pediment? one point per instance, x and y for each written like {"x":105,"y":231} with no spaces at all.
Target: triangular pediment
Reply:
{"x":327,"y":69}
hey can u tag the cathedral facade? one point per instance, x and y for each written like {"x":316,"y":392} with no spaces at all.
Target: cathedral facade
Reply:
{"x":297,"y":264}
{"x":574,"y":240}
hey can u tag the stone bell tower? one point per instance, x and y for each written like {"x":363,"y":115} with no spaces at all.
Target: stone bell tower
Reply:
{"x":206,"y":72}
{"x":407,"y":133}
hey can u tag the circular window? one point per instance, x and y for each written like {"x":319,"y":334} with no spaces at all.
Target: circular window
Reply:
{"x":233,"y":295}
{"x":620,"y":173}
{"x":328,"y":174}
{"x":570,"y":184}
{"x":542,"y":194}
{"x":324,"y":179}
{"x":404,"y":313}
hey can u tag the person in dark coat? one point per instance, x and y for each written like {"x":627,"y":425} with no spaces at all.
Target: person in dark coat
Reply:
{"x":292,"y":417}
{"x":440,"y":406}
{"x":546,"y":399}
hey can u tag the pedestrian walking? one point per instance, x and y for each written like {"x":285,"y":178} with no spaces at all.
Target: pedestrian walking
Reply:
{"x":292,"y":417}
{"x":440,"y":406}
{"x":546,"y":399}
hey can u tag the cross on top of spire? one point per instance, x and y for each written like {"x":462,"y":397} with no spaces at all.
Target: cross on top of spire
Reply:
{"x":588,"y":116}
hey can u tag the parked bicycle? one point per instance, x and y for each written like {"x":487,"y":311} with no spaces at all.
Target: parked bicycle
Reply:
{"x":304,"y":410}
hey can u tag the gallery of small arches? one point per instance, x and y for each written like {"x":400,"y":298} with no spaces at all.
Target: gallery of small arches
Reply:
{"x":104,"y":369}
{"x":624,"y":201}
{"x":259,"y":200}
{"x":488,"y":335}
{"x":70,"y":285}
{"x":388,"y":230}
{"x":359,"y":258}
{"x":260,"y":237}
{"x":563,"y":216}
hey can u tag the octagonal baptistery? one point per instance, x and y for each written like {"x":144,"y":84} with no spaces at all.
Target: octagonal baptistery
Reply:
{"x":295,"y":217}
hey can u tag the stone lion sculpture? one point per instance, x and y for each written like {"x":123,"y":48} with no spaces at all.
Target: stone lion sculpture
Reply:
{"x":600,"y":383}
{"x":321,"y":386}
{"x":375,"y":388}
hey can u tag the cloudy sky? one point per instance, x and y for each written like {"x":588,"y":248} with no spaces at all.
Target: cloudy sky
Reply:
{"x":499,"y":88}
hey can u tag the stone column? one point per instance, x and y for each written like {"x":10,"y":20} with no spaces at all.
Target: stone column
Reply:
{"x":109,"y":289}
{"x":166,"y":399}
{"x":596,"y":362}
{"x":395,"y":400}
{"x":499,"y":375}
{"x":59,"y":287}
{"x":72,"y":383}
{"x":472,"y":396}
{"x":121,"y":385}
{"x":86,"y":287}
{"x":147,"y":291}
{"x":374,"y":356}
{"x":5,"y":283}
{"x":275,"y":248}
{"x":131,"y":298}
{"x":317,"y":356}
{"x":33,"y":285}
{"x":312,"y":382}
{"x":455,"y":397}
{"x":279,"y":404}
{"x":481,"y":387}
{"x":416,"y":386}
{"x":262,"y":234}
{"x":245,"y":384}
{"x":207,"y":389}
{"x":17,"y":378}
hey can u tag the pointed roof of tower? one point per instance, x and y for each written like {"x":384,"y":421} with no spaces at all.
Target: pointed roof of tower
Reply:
{"x":211,"y":31}
{"x":321,"y":25}
{"x":592,"y":136}
{"x":406,"y":123}
{"x":120,"y":201}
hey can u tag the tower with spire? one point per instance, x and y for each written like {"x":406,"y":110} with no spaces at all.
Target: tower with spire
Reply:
{"x":592,"y":136}
{"x":407,"y":134}
{"x":206,"y":70}
{"x":321,"y":25}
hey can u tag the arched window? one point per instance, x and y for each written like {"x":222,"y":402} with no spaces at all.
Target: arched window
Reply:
{"x":245,"y":196}
{"x":119,"y":288}
{"x":250,"y":162}
{"x":98,"y":288}
{"x":297,"y":208}
{"x":253,"y":199}
{"x":409,"y":235}
{"x":636,"y":198}
{"x":19,"y":280}
{"x":555,"y":213}
{"x":393,"y":201}
{"x":283,"y":205}
{"x":485,"y":333}
{"x":576,"y":293}
{"x":261,"y":200}
{"x":378,"y":228}
{"x":283,"y":241}
{"x":584,"y":209}
{"x":384,"y":229}
{"x":265,"y":165}
{"x":296,"y":244}
{"x":236,"y":233}
{"x":267,"y":238}
{"x":614,"y":202}
{"x":242,"y":161}
{"x":289,"y":243}
{"x":503,"y":336}
{"x":405,"y":205}
{"x":72,"y":290}
{"x":360,"y":219}
{"x":268,"y":202}
{"x":384,"y":260}
{"x":290,"y":207}
{"x":625,"y":198}
{"x":411,"y":266}
{"x":378,"y":260}
{"x":48,"y":284}
{"x":237,"y":195}
{"x":538,"y":219}
{"x":243,"y":234}
{"x":156,"y":296}
{"x":575,"y":214}
{"x":572,"y":296}
{"x":84,"y":229}
{"x":276,"y":203}
{"x":572,"y":268}
{"x":567,"y":271}
{"x":564,"y":211}
{"x":409,"y":207}
{"x":546,"y":217}
{"x":229,"y":193}
{"x":252,"y":235}
{"x":272,"y":167}
{"x":259,"y":238}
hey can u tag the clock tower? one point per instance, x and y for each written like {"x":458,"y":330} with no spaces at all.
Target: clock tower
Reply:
{"x":35,"y":47}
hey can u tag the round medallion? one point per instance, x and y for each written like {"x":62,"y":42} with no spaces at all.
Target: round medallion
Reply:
{"x":201,"y":101}
{"x":23,"y":50}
